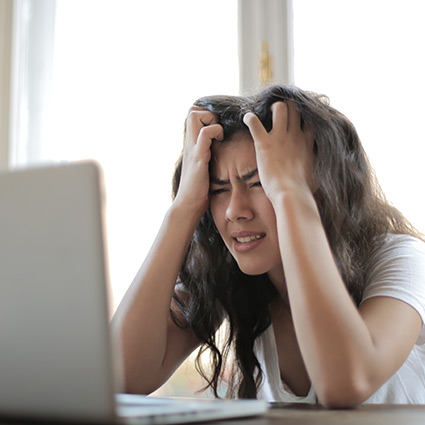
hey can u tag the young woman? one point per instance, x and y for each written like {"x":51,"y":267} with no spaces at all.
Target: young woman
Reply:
{"x":279,"y":226}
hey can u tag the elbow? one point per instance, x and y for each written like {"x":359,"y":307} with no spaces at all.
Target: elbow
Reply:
{"x":135,"y":389}
{"x":141,"y":385}
{"x":138,"y":389}
{"x":142,"y":380}
{"x":346,"y":393}
{"x":346,"y":400}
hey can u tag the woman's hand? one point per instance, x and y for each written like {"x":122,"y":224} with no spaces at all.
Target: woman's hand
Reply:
{"x":201,"y":129}
{"x":285,"y":154}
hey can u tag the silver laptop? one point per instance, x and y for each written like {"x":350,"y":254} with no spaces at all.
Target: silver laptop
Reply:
{"x":57,"y":360}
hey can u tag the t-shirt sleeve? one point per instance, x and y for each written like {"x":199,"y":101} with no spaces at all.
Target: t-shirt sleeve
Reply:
{"x":398,"y":271}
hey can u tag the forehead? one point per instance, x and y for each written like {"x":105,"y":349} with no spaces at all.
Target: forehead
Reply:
{"x":233,"y":156}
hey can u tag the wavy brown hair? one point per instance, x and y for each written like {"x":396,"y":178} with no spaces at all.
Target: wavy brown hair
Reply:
{"x":354,"y":212}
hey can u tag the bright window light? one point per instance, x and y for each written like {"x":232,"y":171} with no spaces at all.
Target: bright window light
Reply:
{"x":367,"y":57}
{"x":125,"y":74}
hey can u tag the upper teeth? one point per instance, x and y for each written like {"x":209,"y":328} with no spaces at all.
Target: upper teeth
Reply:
{"x":248,"y":238}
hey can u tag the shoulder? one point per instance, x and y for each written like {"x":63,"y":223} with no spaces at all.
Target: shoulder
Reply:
{"x":403,"y":253}
{"x":397,"y":270}
{"x":397,"y":242}
{"x":403,"y":241}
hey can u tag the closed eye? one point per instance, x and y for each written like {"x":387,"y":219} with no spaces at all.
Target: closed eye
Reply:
{"x":256,"y":184}
{"x":217,"y":191}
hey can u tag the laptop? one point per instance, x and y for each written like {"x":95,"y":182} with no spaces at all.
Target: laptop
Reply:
{"x":57,"y":360}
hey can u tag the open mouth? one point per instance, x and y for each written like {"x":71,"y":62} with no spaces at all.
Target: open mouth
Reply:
{"x":251,"y":238}
{"x":246,"y":242}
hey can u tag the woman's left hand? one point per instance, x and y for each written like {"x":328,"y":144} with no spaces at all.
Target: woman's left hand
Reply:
{"x":285,"y":154}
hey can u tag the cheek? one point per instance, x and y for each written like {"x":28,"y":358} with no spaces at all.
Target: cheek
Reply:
{"x":215,"y":212}
{"x":218,"y":212}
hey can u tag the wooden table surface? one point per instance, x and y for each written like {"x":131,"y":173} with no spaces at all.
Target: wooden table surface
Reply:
{"x":307,"y":415}
{"x":312,"y":415}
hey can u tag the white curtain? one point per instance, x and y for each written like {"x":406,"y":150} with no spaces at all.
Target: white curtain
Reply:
{"x":32,"y":66}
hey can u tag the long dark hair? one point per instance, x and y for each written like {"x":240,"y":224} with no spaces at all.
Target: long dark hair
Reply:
{"x":354,"y":213}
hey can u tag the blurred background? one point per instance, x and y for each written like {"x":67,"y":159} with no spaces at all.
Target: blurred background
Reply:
{"x":112,"y":80}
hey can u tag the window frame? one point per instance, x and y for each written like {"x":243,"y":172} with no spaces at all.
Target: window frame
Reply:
{"x":266,"y":44}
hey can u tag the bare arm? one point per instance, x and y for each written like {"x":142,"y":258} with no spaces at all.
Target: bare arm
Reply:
{"x":348,"y":353}
{"x":152,"y":345}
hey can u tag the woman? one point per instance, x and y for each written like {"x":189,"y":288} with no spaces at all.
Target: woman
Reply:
{"x":279,"y":226}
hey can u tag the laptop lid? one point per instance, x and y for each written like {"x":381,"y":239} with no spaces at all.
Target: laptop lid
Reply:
{"x":56,"y":357}
{"x":55,"y":348}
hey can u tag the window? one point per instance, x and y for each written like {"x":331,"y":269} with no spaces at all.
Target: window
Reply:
{"x":119,"y":76}
{"x":367,"y":57}
{"x":115,"y":86}
{"x":124,"y":76}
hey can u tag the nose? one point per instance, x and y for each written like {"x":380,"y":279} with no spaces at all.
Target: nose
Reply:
{"x":239,"y":207}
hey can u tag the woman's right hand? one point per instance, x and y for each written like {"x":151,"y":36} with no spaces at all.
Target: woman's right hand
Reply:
{"x":201,"y":129}
{"x":151,"y":353}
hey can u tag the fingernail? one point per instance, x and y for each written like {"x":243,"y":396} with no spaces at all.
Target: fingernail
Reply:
{"x":246,"y":116}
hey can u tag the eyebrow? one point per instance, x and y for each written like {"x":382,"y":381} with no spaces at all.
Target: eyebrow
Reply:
{"x":243,"y":178}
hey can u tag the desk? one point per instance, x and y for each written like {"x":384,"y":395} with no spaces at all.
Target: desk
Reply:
{"x":312,"y":415}
{"x":305,"y":415}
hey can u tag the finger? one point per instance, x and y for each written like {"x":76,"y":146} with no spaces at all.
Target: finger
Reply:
{"x":213,"y":131}
{"x":203,"y":116}
{"x":208,"y":134}
{"x":279,"y":117}
{"x":294,"y":118}
{"x":255,"y":126}
{"x":196,"y":108}
{"x":195,"y":121}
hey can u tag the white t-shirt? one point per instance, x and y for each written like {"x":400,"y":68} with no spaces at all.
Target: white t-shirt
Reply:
{"x":398,"y":271}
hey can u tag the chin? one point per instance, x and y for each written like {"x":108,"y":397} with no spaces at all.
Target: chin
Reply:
{"x":252,"y":270}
